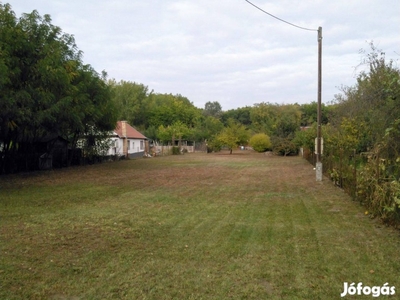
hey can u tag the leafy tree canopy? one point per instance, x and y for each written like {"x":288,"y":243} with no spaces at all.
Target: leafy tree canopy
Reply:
{"x":213,"y":109}
{"x":45,"y":87}
{"x":232,"y":136}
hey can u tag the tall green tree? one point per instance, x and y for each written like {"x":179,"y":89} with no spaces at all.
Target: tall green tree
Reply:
{"x":276,"y":120}
{"x":241,"y":115}
{"x":166,"y":109}
{"x":46,"y":89}
{"x":130,"y":99}
{"x":262,"y":117}
{"x":309,"y":113}
{"x":206,"y":128}
{"x":212,"y":109}
{"x":374,"y":99}
{"x":173,"y":132}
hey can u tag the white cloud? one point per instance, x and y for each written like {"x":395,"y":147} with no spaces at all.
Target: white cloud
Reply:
{"x":226,"y":51}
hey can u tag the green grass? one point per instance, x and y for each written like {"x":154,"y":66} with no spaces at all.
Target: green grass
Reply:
{"x":197,"y":226}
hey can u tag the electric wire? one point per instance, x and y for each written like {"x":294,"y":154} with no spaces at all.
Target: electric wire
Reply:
{"x":280,"y":18}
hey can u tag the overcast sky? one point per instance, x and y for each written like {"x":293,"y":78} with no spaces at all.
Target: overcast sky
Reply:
{"x":227,"y":50}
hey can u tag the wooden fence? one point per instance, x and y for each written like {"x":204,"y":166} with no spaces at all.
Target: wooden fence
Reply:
{"x":167,"y":150}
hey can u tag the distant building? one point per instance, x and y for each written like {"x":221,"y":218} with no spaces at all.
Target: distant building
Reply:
{"x":127,"y":141}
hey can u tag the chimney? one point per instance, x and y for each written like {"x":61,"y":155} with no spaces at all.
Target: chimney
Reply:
{"x":125,"y":141}
{"x":123,"y":128}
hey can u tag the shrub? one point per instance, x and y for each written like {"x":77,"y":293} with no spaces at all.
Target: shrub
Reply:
{"x":260,"y":142}
{"x":176,"y":150}
{"x":283,"y":146}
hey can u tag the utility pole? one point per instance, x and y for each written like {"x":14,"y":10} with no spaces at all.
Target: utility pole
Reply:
{"x":318,"y":165}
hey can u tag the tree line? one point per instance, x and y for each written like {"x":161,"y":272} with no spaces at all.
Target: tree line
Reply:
{"x":47,"y":90}
{"x":166,"y":117}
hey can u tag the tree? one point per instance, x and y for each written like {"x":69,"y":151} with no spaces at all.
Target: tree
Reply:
{"x":166,"y":109}
{"x":309,"y":113}
{"x":172,"y":132}
{"x":287,"y":120}
{"x":241,"y":115}
{"x":374,"y":99}
{"x":260,"y":142}
{"x":262,"y":117}
{"x":206,"y":128}
{"x":306,"y":138}
{"x":46,"y":89}
{"x":283,"y":145}
{"x":213,"y":109}
{"x":130,"y":98}
{"x":233,"y":135}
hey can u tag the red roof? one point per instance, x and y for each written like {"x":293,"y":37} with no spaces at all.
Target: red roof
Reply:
{"x":131,"y":133}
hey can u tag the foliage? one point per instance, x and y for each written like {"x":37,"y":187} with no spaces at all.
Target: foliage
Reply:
{"x":212,"y":109}
{"x":364,"y":132}
{"x":151,"y":132}
{"x":306,"y":138}
{"x":129,"y":98}
{"x":46,"y":90}
{"x":233,"y":135}
{"x":176,"y":150}
{"x":352,"y":134}
{"x":260,"y":142}
{"x":262,"y":118}
{"x":240,"y":115}
{"x":375,"y":97}
{"x":276,"y":120}
{"x":309,"y":113}
{"x":95,"y":144}
{"x":167,"y":109}
{"x":378,"y":187}
{"x":283,"y":145}
{"x":178,"y":130}
{"x":206,"y":128}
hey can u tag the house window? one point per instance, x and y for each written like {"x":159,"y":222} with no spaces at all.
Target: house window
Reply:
{"x":129,"y":145}
{"x":141,"y":145}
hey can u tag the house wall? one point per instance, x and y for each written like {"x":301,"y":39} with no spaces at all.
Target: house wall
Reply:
{"x":135,"y":147}
{"x":116,"y":147}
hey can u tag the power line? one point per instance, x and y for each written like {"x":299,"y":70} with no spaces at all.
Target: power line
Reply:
{"x":280,"y":18}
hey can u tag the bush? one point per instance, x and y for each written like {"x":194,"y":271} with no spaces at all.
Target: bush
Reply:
{"x":260,"y":142}
{"x":214,"y":146}
{"x":283,"y":146}
{"x":176,"y":150}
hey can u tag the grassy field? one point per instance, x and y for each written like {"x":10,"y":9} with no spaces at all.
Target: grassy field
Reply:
{"x":197,"y":226}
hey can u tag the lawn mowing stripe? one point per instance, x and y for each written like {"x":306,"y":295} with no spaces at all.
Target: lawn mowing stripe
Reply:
{"x":191,"y":227}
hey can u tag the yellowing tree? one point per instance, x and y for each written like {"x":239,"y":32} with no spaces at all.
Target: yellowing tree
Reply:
{"x":233,"y":135}
{"x":260,"y":142}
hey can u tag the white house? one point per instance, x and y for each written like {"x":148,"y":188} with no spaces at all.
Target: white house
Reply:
{"x":127,"y":141}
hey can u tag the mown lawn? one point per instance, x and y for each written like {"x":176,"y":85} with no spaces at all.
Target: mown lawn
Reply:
{"x":197,"y":226}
